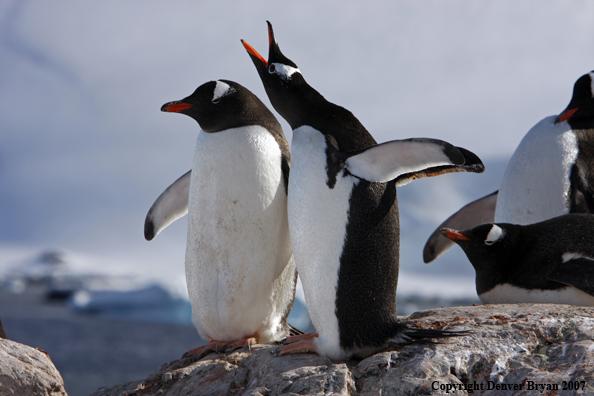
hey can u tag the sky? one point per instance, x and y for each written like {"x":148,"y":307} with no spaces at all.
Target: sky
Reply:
{"x":85,"y":150}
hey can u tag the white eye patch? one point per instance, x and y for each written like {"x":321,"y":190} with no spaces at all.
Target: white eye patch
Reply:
{"x":284,"y":71}
{"x":221,"y":89}
{"x":494,"y":235}
{"x":592,"y":83}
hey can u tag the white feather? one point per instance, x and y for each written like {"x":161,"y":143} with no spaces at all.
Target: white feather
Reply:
{"x":572,"y":256}
{"x":317,"y":219}
{"x":239,"y":267}
{"x":494,"y":235}
{"x":535,"y":184}
{"x":221,"y":89}
{"x":170,"y":205}
{"x":284,"y":71}
{"x":389,"y":160}
{"x":508,"y":294}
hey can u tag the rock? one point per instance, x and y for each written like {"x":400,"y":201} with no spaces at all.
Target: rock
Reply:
{"x":26,"y":371}
{"x":515,"y":349}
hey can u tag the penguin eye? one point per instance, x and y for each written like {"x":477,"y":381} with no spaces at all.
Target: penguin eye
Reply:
{"x":284,"y":71}
{"x":494,"y":235}
{"x":217,"y":100}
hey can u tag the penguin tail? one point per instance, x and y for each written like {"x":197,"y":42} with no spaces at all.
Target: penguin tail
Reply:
{"x":413,"y":335}
{"x":294,"y":331}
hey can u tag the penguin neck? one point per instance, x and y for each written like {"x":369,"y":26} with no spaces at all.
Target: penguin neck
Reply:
{"x":494,"y":268}
{"x":581,"y":123}
{"x":301,"y":105}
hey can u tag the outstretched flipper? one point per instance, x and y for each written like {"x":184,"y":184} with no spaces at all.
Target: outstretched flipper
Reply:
{"x":170,"y":206}
{"x":478,"y":212}
{"x":409,"y":159}
{"x":577,"y":272}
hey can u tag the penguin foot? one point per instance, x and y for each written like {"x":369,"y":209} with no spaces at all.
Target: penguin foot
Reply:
{"x":303,"y":343}
{"x":221,"y":347}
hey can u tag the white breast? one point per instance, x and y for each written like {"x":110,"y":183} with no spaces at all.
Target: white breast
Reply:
{"x":317,"y":219}
{"x":508,"y":294}
{"x":238,"y":256}
{"x":535,"y":184}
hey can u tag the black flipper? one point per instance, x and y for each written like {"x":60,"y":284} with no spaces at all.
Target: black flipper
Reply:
{"x":578,"y":273}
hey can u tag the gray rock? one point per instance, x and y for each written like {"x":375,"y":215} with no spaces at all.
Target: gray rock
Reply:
{"x":26,"y":371}
{"x":515,"y":349}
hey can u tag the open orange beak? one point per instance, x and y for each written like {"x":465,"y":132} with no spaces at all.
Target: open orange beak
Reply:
{"x":254,"y":53}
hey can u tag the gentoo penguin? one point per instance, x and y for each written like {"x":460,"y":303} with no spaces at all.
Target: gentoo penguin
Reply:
{"x":343,"y":213}
{"x":547,"y":262}
{"x":551,"y":173}
{"x":239,"y":266}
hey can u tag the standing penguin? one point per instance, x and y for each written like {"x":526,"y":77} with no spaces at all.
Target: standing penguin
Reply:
{"x":547,"y":262}
{"x":343,"y":212}
{"x":551,"y":173}
{"x":239,"y":266}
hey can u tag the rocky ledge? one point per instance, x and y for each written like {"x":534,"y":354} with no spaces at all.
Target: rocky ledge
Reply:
{"x":515,"y":349}
{"x":27,"y":371}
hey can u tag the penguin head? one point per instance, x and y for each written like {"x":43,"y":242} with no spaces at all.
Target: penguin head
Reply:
{"x":278,"y":69}
{"x":580,"y":111}
{"x":487,"y":244}
{"x":281,"y":77}
{"x":220,"y":105}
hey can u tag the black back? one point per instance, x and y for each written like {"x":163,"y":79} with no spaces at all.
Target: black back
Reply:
{"x":236,"y":109}
{"x":526,"y":256}
{"x":368,"y":274}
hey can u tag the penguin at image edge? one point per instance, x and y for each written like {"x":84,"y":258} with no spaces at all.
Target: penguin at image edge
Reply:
{"x":343,"y":213}
{"x":239,"y":267}
{"x":550,"y":174}
{"x":547,"y":262}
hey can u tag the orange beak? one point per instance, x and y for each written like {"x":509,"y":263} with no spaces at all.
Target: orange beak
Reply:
{"x":255,"y":53}
{"x":453,"y":235}
{"x":566,"y":115}
{"x":176,"y":107}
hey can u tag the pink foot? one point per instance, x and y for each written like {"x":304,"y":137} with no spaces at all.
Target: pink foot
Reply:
{"x":303,"y":343}
{"x":221,"y":347}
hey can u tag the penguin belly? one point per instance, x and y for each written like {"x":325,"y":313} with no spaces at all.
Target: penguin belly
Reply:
{"x":510,"y":294}
{"x":318,"y":217}
{"x":536,"y":182}
{"x":239,"y":268}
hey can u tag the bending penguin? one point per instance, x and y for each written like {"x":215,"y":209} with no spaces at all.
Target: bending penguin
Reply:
{"x":343,"y":213}
{"x":240,"y":270}
{"x":551,"y":173}
{"x":547,"y":262}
